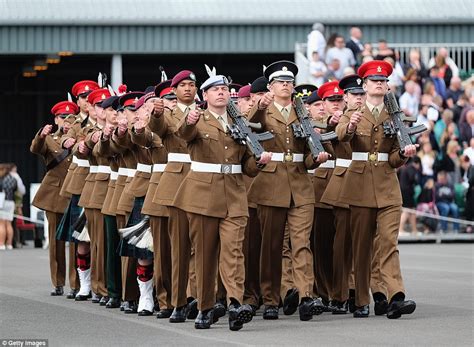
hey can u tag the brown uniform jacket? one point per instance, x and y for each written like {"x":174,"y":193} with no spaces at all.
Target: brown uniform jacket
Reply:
{"x":207,"y":193}
{"x":281,"y":183}
{"x":47,"y":197}
{"x":371,"y":183}
{"x":165,"y":127}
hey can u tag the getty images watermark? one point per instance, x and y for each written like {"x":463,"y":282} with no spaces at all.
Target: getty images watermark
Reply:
{"x":24,"y":342}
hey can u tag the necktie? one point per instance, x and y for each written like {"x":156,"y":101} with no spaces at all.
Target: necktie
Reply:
{"x":285,"y":113}
{"x":186,"y":110}
{"x":375,"y":113}
{"x":223,"y":122}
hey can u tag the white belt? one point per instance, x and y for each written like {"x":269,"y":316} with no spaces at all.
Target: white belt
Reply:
{"x":343,"y":162}
{"x":366,"y":156}
{"x":144,"y":168}
{"x":216,"y":168}
{"x":179,"y":157}
{"x":94,"y":169}
{"x":103,"y":169}
{"x":311,"y":172}
{"x":80,"y":162}
{"x":159,"y":167}
{"x":287,"y":157}
{"x":328,"y":164}
{"x":126,"y":172}
{"x":113,"y":175}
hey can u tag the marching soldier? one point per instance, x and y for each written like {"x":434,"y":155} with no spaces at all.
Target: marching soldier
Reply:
{"x":281,"y":193}
{"x":48,"y":146}
{"x":372,"y":191}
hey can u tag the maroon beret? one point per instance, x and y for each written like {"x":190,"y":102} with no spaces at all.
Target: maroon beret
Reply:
{"x":244,"y":92}
{"x":181,"y":76}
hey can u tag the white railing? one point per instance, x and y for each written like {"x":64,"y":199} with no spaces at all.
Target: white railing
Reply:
{"x":461,"y":53}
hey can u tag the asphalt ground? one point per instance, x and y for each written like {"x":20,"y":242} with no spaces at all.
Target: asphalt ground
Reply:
{"x":439,"y":277}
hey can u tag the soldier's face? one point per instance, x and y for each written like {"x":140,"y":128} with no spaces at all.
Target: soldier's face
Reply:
{"x":256,"y":97}
{"x":317,"y":110}
{"x":217,"y":96}
{"x":91,"y":110}
{"x":170,"y":103}
{"x":354,"y":100}
{"x":375,"y":88}
{"x":245,"y":104}
{"x":83,"y":104}
{"x":281,"y":89}
{"x":132,"y":116}
{"x":111,"y":115}
{"x":58,"y":121}
{"x":334,"y":105}
{"x":66,"y":126}
{"x":186,"y":91}
{"x":99,"y":111}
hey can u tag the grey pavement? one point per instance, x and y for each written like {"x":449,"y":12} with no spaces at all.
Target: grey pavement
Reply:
{"x":439,"y":277}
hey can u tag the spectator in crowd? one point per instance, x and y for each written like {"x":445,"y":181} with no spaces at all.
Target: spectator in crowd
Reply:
{"x":409,"y":101}
{"x":442,"y":124}
{"x":368,"y":53}
{"x":444,"y":71}
{"x":317,"y":70}
{"x":342,"y":53}
{"x":459,"y":107}
{"x":409,"y":177}
{"x":427,"y":158}
{"x":454,"y":91}
{"x":467,"y":128}
{"x":443,"y":53}
{"x":355,"y":43}
{"x":448,"y":162}
{"x":331,"y":42}
{"x":426,"y":204}
{"x":444,"y":197}
{"x":8,"y":186}
{"x":469,"y":151}
{"x":332,"y":72}
{"x":412,"y":75}
{"x":367,"y":58}
{"x":316,"y":41}
{"x":384,"y":51}
{"x":395,"y":80}
{"x":435,"y":108}
{"x":468,"y":182}
{"x":438,"y":82}
{"x":21,"y":189}
{"x":348,"y":71}
{"x":415,"y":64}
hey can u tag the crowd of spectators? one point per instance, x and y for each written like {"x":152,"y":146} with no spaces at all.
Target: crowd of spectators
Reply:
{"x":440,"y":179}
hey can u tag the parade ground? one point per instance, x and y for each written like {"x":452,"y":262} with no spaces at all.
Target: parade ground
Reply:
{"x":439,"y":277}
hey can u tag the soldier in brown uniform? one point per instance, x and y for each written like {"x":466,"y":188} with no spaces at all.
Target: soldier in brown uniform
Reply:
{"x":282,"y":193}
{"x":47,"y":198}
{"x":213,"y":195}
{"x":323,"y":224}
{"x":163,"y":123}
{"x":372,"y":190}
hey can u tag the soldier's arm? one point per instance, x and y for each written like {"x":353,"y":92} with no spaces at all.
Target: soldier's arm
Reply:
{"x":102,"y":148}
{"x":159,"y":124}
{"x":257,"y":116}
{"x":395,"y":158}
{"x":187,"y":132}
{"x":342,"y":131}
{"x":123,"y":141}
{"x":249,"y":164}
{"x":71,"y":134}
{"x":38,"y":144}
{"x":144,"y":138}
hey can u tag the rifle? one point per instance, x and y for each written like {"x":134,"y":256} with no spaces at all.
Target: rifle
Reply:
{"x":305,"y":130}
{"x":241,"y":132}
{"x":396,"y":123}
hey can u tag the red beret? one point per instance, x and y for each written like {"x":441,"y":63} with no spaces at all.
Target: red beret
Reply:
{"x":181,"y":76}
{"x":329,"y":89}
{"x":64,"y":107}
{"x":84,"y":87}
{"x":244,"y":92}
{"x":98,"y":95}
{"x":377,"y":70}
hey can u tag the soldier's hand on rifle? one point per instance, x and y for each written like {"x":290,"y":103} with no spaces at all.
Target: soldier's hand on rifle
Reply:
{"x":69,"y":143}
{"x":108,"y":130}
{"x":265,"y":158}
{"x":96,"y":136}
{"x":46,"y":130}
{"x":335,"y":118}
{"x":410,"y":150}
{"x":265,"y":101}
{"x":322,"y":157}
{"x":122,"y":127}
{"x":83,"y":148}
{"x":193,"y":117}
{"x":355,"y":119}
{"x":158,"y":108}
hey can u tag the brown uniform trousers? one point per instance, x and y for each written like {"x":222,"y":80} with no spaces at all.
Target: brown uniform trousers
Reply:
{"x":281,"y":192}
{"x":372,"y":190}
{"x":182,"y":263}
{"x":216,"y":205}
{"x":287,"y":280}
{"x":48,"y":199}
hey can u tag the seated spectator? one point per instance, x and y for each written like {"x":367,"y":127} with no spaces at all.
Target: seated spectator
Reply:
{"x":438,"y":82}
{"x":342,"y":53}
{"x":415,"y":64}
{"x":434,"y":108}
{"x":348,"y":71}
{"x":454,"y":91}
{"x":316,"y":41}
{"x":367,"y":58}
{"x":467,"y":129}
{"x":458,"y":108}
{"x":468,"y":182}
{"x":443,"y":52}
{"x":384,"y":51}
{"x":317,"y":70}
{"x":444,"y":71}
{"x":448,"y":161}
{"x":442,"y":124}
{"x":332,"y":71}
{"x":367,"y":52}
{"x":444,"y":197}
{"x":412,"y":75}
{"x":469,"y":151}
{"x":426,"y":204}
{"x":427,"y":158}
{"x":408,"y":176}
{"x":409,"y":101}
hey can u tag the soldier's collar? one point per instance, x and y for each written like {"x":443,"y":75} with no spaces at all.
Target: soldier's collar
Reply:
{"x":183,"y":107}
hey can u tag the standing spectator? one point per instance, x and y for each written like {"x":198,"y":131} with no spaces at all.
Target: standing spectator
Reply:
{"x":469,"y":151}
{"x":408,"y":176}
{"x":384,"y":51}
{"x":468,"y":181}
{"x":8,"y":186}
{"x":438,"y":82}
{"x":444,"y":193}
{"x":415,"y":63}
{"x":426,"y":203}
{"x":467,"y":128}
{"x":342,"y":53}
{"x":21,"y":189}
{"x":409,"y":102}
{"x":331,"y":42}
{"x":443,"y":52}
{"x":412,"y":75}
{"x":454,"y":91}
{"x":445,"y":72}
{"x":355,"y":43}
{"x":317,"y":70}
{"x":427,"y":157}
{"x":316,"y":41}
